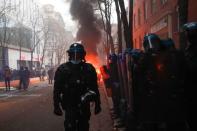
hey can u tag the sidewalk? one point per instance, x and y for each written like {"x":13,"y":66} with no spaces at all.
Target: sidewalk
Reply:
{"x":41,"y":117}
{"x":110,"y":106}
{"x":14,"y":92}
{"x":102,"y":121}
{"x":15,"y":83}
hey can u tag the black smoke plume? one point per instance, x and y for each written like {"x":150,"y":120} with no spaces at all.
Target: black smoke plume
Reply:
{"x":88,"y":32}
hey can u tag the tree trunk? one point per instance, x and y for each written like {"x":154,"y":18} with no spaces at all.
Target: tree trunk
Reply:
{"x":127,"y":31}
{"x":20,"y":55}
{"x":52,"y":59}
{"x":42,"y":60}
{"x":107,"y":24}
{"x":31,"y":63}
{"x":183,"y":18}
{"x":131,"y":22}
{"x":20,"y":45}
{"x":119,"y":27}
{"x":4,"y":40}
{"x":111,"y":42}
{"x":43,"y":53}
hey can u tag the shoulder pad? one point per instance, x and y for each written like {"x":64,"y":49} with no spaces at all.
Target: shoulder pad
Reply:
{"x":63,"y":67}
{"x":89,"y":67}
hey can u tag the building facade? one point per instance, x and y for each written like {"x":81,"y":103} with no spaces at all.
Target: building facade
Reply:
{"x":160,"y":17}
{"x":57,"y":37}
{"x":192,"y":5}
{"x":17,"y":33}
{"x":155,"y":16}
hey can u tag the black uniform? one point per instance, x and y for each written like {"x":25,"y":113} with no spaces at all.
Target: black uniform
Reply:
{"x":71,"y":82}
{"x":191,"y":87}
{"x":113,"y":72}
{"x":159,"y":89}
{"x":51,"y":75}
{"x":191,"y":83}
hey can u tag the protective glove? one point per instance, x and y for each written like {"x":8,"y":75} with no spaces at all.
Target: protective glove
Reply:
{"x":97,"y":109}
{"x":88,"y":97}
{"x":57,"y":111}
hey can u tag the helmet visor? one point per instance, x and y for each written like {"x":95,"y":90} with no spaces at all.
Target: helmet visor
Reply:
{"x":152,"y":44}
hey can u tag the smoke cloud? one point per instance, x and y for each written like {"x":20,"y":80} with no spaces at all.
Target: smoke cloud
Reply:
{"x":88,"y":32}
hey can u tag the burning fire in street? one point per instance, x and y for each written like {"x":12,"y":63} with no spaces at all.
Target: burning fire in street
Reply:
{"x":93,"y":59}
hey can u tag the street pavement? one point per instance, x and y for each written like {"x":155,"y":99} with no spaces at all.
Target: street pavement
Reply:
{"x":32,"y":110}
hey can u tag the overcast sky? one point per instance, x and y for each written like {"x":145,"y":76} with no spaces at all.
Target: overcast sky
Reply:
{"x":63,"y":7}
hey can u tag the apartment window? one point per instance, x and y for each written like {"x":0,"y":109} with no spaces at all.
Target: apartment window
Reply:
{"x":139,"y":16}
{"x":177,"y":19}
{"x":163,"y":1}
{"x":140,"y":43}
{"x":134,"y":22}
{"x":145,"y":10}
{"x":153,"y":6}
{"x":135,"y":43}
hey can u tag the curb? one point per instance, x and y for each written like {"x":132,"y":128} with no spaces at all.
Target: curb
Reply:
{"x":15,"y":83}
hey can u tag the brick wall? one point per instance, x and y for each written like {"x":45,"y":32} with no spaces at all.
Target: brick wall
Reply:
{"x":192,"y":16}
{"x":155,"y":20}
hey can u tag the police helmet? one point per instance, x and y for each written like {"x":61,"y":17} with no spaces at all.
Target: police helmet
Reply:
{"x":168,"y":44}
{"x":152,"y":42}
{"x":76,"y":51}
{"x":136,"y":54}
{"x":113,"y":57}
{"x":76,"y":48}
{"x":120,"y":56}
{"x":190,"y":26}
{"x":191,"y":29}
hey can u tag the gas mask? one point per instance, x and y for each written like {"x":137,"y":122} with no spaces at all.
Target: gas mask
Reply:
{"x":76,"y":58}
{"x":75,"y":61}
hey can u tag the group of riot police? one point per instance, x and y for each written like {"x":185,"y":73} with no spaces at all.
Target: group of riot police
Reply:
{"x":152,"y":89}
{"x":155,"y":89}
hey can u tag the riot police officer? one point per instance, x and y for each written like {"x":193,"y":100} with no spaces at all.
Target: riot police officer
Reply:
{"x":159,"y":92}
{"x":191,"y":85}
{"x":74,"y":88}
{"x":113,"y":72}
{"x":144,"y":78}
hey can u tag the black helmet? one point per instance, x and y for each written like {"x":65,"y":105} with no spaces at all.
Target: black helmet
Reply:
{"x":191,"y":29}
{"x":76,"y":52}
{"x":152,"y":43}
{"x":76,"y":48}
{"x":190,"y":26}
{"x":112,"y":58}
{"x":168,"y":44}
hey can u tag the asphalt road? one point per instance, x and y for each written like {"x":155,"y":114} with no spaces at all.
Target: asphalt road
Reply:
{"x":32,"y":110}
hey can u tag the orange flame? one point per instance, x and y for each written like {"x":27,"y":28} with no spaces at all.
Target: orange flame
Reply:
{"x":93,"y":59}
